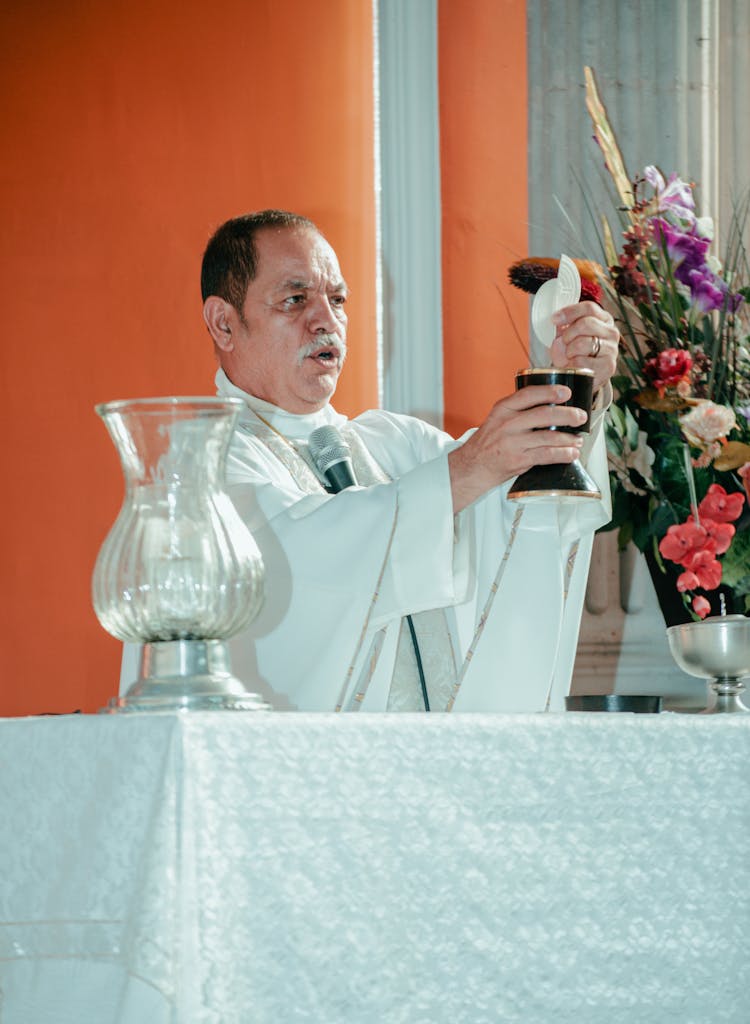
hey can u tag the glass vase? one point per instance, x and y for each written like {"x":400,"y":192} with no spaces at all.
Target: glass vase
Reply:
{"x":179,"y":572}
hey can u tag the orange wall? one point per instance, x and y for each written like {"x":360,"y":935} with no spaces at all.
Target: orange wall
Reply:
{"x":131,"y":129}
{"x":483,"y":140}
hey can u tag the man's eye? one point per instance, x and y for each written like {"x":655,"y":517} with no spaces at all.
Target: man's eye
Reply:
{"x":294,"y":300}
{"x":337,"y":300}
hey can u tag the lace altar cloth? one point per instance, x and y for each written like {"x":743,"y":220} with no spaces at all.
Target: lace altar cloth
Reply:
{"x":374,"y":869}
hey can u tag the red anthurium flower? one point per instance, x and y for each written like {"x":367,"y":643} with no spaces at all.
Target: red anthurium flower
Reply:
{"x":687,"y":581}
{"x":720,"y":533}
{"x":669,"y":368}
{"x":701,"y":607}
{"x":720,"y":506}
{"x":681,"y":540}
{"x":706,"y":568}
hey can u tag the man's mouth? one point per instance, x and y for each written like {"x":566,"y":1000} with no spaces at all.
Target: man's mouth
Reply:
{"x":325,"y":355}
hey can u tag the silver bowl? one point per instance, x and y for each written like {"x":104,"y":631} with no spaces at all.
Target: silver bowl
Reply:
{"x":718,"y":648}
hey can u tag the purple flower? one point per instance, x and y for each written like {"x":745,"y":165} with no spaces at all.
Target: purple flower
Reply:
{"x":687,"y":253}
{"x":732,"y":299}
{"x":706,"y":290}
{"x":674,"y":196}
{"x":735,"y":301}
{"x":686,"y":250}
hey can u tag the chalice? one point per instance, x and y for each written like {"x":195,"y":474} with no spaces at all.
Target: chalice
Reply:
{"x":561,"y":482}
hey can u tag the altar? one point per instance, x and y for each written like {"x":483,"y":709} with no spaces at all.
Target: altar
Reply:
{"x":238,"y":868}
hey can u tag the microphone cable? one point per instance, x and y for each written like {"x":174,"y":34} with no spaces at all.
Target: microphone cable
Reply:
{"x":420,"y":669}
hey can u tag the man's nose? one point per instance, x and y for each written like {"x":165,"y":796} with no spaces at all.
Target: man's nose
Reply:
{"x":322,"y":318}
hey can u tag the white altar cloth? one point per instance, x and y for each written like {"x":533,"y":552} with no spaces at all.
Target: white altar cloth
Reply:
{"x":234,"y":868}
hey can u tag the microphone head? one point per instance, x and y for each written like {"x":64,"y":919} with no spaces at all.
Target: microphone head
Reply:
{"x":327,"y":447}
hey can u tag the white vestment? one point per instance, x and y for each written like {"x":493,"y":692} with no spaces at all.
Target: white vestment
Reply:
{"x":341,"y":571}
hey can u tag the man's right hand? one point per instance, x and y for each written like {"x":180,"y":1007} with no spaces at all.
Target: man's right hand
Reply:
{"x":514,"y":437}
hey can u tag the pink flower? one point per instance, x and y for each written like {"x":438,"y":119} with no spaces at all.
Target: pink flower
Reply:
{"x":701,"y":607}
{"x":720,"y":533}
{"x":681,"y":540}
{"x":720,"y":506}
{"x":687,"y":581}
{"x":705,"y":566}
{"x":707,"y":457}
{"x":695,"y":546}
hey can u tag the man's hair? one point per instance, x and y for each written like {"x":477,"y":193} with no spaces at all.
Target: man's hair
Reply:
{"x":230,"y":261}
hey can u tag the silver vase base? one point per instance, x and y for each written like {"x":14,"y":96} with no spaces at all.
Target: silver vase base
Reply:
{"x":196,"y":702}
{"x":727,"y":701}
{"x":186,"y":675}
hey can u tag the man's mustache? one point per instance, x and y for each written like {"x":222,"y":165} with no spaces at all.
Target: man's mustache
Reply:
{"x":323,"y":343}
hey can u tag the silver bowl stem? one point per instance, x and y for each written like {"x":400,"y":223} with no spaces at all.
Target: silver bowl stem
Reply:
{"x":727,"y":690}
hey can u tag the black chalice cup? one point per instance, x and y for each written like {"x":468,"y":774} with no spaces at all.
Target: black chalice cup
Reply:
{"x":561,"y":480}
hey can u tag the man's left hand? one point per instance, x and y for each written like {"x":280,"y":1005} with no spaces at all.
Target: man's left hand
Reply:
{"x":586,"y":336}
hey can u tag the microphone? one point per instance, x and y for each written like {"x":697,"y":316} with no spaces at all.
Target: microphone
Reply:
{"x":333,"y":457}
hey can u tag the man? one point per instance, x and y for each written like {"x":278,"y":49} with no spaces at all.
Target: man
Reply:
{"x":428,"y":539}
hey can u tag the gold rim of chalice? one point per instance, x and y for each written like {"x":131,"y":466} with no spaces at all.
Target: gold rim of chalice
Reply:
{"x":534,"y":371}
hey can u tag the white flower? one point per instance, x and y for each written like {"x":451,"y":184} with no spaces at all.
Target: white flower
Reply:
{"x":641,"y":459}
{"x":707,"y":423}
{"x":674,"y":197}
{"x":655,"y":178}
{"x":704,"y":226}
{"x":714,"y":264}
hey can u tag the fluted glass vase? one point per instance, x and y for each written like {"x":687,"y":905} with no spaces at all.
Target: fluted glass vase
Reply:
{"x":179,"y":572}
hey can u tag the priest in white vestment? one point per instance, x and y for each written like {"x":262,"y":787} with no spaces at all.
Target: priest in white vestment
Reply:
{"x":342,"y":572}
{"x":493,"y":588}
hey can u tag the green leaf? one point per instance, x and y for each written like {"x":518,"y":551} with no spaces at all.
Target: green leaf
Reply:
{"x":617,"y":416}
{"x":631,"y":428}
{"x":625,"y":535}
{"x":735,"y":564}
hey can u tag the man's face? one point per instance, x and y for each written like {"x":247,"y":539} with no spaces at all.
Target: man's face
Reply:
{"x":291,"y":346}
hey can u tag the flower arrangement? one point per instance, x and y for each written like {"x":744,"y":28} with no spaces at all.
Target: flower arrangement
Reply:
{"x":678,"y":430}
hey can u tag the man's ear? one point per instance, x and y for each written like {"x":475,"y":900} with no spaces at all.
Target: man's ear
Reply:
{"x":217,"y":314}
